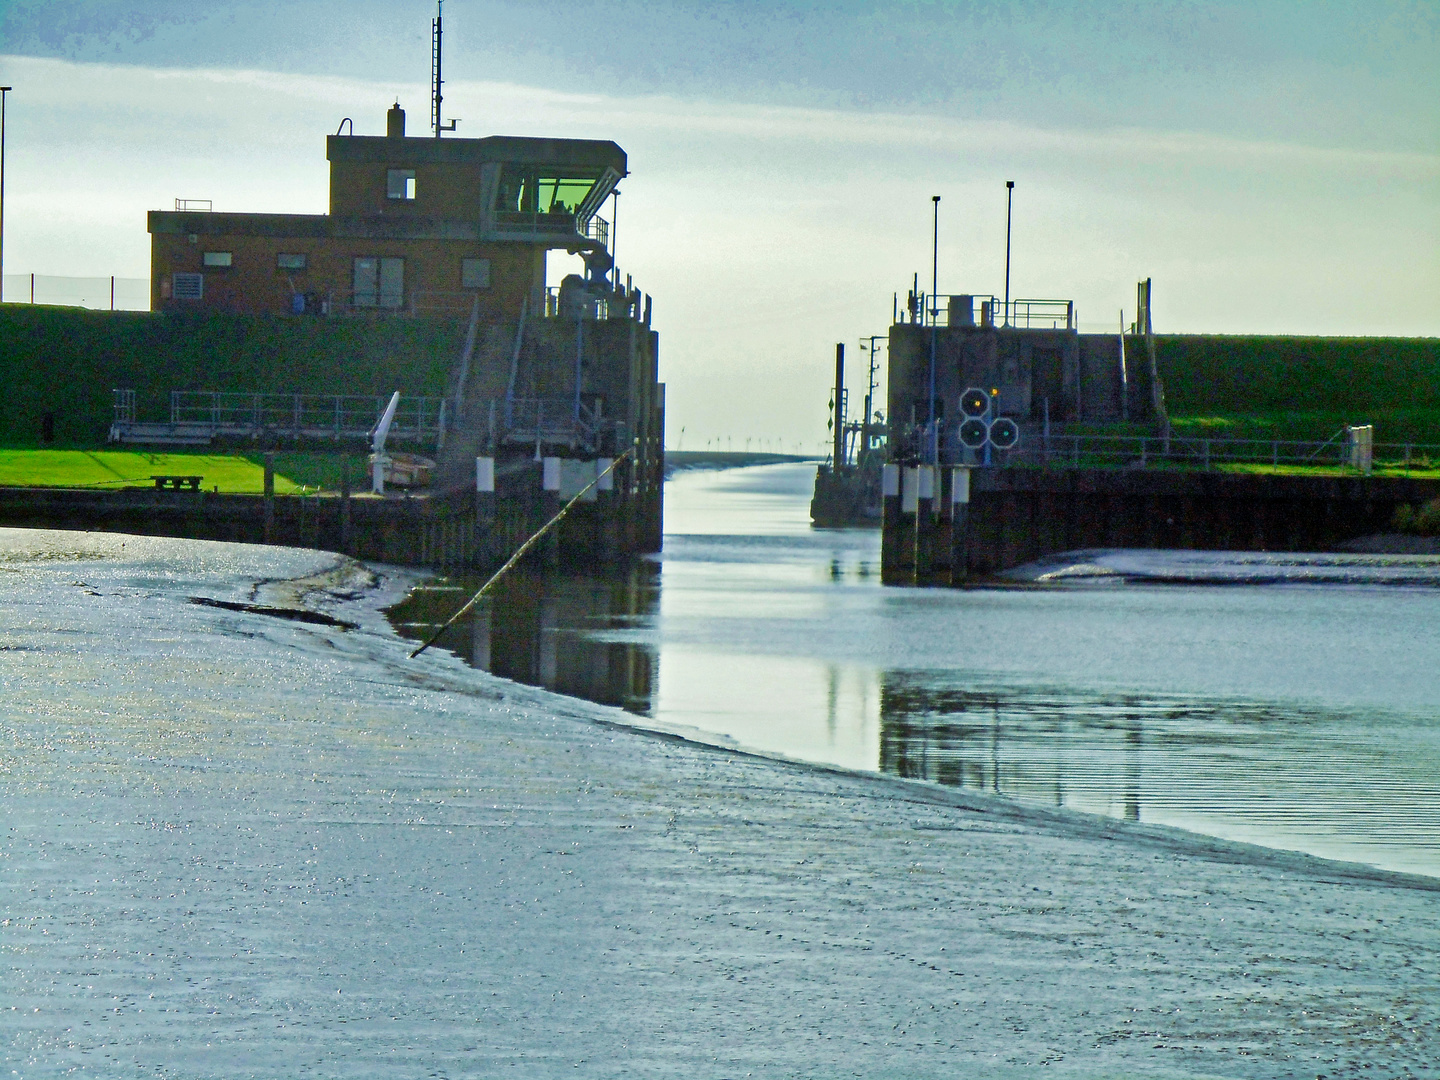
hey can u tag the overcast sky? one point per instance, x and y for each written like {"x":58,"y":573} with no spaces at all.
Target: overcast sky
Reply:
{"x":1274,"y":166}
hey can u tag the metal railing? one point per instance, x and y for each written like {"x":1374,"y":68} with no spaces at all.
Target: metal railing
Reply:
{"x":597,"y":229}
{"x":991,"y":311}
{"x":555,"y":421}
{"x":1154,"y":451}
{"x":193,"y":205}
{"x":200,"y":416}
{"x":616,"y":305}
{"x":535,"y":223}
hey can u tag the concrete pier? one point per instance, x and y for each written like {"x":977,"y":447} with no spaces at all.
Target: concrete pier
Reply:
{"x":1018,"y":515}
{"x":451,"y":530}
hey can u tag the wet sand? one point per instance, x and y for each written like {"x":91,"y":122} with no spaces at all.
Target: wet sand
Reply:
{"x":237,"y":845}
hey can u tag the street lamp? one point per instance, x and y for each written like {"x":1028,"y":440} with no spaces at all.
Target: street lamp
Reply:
{"x":1009,"y":195}
{"x":3,"y":91}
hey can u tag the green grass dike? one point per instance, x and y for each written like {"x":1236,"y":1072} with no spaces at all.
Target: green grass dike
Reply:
{"x":67,"y":361}
{"x":295,"y":473}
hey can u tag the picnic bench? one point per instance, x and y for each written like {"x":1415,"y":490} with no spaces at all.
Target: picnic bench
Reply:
{"x":177,"y":483}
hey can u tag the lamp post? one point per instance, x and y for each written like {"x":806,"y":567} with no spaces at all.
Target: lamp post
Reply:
{"x":933,"y":448}
{"x":3,"y":91}
{"x":1009,"y":195}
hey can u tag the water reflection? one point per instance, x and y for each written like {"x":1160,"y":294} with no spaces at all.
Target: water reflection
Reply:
{"x":548,"y":629}
{"x":1321,"y":780}
{"x":1244,"y":713}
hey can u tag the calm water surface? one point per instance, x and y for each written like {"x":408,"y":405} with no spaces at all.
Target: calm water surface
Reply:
{"x":1299,"y":713}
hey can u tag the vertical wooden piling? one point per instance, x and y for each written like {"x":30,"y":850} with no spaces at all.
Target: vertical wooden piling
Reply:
{"x":959,"y":525}
{"x":345,"y":505}
{"x":890,"y":526}
{"x":269,"y":527}
{"x":924,"y":523}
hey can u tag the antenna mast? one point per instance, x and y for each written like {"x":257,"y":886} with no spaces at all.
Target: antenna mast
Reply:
{"x":435,"y":81}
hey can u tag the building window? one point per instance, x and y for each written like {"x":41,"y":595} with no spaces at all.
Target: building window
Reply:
{"x":290,"y":261}
{"x":379,"y":283}
{"x":188,"y":286}
{"x":474,"y":273}
{"x":400,"y":184}
{"x":218,"y":258}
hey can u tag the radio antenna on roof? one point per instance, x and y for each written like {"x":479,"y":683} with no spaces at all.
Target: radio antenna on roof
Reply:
{"x":435,"y":81}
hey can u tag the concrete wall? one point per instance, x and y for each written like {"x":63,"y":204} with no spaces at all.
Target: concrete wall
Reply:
{"x":1016,"y":516}
{"x":459,"y":530}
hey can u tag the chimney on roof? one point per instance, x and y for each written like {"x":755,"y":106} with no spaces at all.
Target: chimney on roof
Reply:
{"x":395,"y":122}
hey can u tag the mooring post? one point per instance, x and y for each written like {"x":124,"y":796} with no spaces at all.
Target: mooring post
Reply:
{"x":924,"y":523}
{"x":959,"y":524}
{"x":608,"y":538}
{"x":549,"y":550}
{"x":909,"y":508}
{"x":269,"y":498}
{"x":484,"y":504}
{"x":890,"y":523}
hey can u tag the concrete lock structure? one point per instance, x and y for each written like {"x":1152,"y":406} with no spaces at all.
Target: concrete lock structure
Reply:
{"x":982,"y":476}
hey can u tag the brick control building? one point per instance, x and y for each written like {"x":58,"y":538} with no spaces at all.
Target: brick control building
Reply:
{"x":415,"y":225}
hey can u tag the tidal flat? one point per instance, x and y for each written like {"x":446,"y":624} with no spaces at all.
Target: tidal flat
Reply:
{"x":237,"y":845}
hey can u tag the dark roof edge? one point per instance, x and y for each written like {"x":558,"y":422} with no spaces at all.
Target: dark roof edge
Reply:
{"x":379,"y":149}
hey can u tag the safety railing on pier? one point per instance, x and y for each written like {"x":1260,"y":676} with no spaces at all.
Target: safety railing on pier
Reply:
{"x":617,"y":305}
{"x":557,"y":421}
{"x":991,"y":311}
{"x":198,"y":417}
{"x":1155,"y":451}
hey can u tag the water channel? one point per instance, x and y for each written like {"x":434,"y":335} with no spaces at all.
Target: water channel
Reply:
{"x":1298,"y":712}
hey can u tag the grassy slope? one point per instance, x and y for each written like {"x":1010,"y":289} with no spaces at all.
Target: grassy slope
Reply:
{"x":66,"y":361}
{"x":1302,"y":387}
{"x":129,"y":468}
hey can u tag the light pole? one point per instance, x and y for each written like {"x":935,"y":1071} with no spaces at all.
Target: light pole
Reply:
{"x":934,"y":447}
{"x":3,"y":91}
{"x":869,"y":392}
{"x":1009,"y":195}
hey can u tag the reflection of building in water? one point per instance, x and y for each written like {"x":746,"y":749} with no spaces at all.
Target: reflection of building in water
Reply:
{"x":541,"y":629}
{"x":1016,"y":743}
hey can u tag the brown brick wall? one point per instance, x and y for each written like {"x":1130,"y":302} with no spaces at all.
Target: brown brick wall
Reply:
{"x":254,"y":284}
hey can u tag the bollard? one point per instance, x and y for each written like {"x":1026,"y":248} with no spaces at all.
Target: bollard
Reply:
{"x":959,"y":524}
{"x":890,"y":524}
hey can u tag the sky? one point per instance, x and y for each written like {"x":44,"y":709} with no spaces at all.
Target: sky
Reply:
{"x":1274,"y":167}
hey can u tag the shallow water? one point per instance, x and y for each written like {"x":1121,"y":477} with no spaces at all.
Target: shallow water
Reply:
{"x":1284,"y":701}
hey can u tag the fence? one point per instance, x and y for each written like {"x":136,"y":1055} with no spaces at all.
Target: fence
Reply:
{"x":200,"y":416}
{"x":96,"y":293}
{"x":1153,"y":451}
{"x":977,"y":310}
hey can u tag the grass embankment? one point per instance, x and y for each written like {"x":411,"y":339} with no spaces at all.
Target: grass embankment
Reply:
{"x":295,"y":473}
{"x":66,"y":362}
{"x":1301,"y":388}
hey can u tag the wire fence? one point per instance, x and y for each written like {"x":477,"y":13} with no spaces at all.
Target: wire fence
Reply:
{"x":96,"y":293}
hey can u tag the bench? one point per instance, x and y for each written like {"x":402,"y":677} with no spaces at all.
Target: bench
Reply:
{"x":177,"y":483}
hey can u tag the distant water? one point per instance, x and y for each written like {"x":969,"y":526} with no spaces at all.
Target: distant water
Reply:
{"x":1282,"y":700}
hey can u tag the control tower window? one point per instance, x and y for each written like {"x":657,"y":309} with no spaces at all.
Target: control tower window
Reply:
{"x":542,"y":191}
{"x":400,"y":184}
